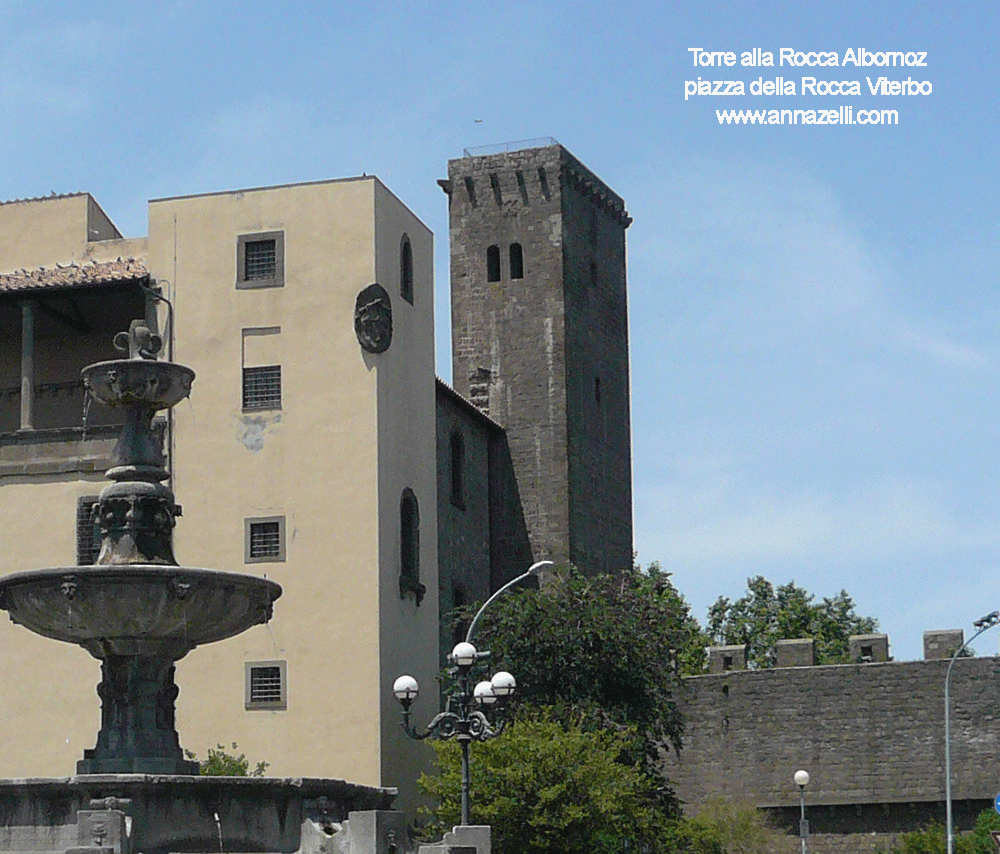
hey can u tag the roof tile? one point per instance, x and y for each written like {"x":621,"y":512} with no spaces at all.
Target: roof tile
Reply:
{"x":74,"y":275}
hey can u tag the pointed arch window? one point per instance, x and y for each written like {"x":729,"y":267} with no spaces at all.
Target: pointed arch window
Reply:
{"x":406,"y":269}
{"x":516,"y":261}
{"x":493,"y":263}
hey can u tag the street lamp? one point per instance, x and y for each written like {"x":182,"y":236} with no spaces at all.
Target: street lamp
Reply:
{"x":534,"y":569}
{"x":801,"y":779}
{"x":983,"y":623}
{"x":461,"y":719}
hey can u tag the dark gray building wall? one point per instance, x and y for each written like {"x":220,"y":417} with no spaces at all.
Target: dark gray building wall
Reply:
{"x":528,"y":351}
{"x":871,"y":737}
{"x":482,"y":538}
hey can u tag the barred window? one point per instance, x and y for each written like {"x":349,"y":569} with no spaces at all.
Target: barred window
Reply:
{"x":264,"y":539}
{"x":261,"y":259}
{"x":88,"y":532}
{"x":266,"y":685}
{"x":262,"y":387}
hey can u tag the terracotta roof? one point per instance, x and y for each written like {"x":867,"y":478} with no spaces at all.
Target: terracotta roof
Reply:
{"x":74,"y":275}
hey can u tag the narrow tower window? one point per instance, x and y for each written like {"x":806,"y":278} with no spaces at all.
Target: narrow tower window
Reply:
{"x":516,"y":261}
{"x":406,"y":270}
{"x":409,"y":547}
{"x":457,"y":469}
{"x":493,"y":263}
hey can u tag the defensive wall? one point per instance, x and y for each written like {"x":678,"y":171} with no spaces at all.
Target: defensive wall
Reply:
{"x":871,"y":736}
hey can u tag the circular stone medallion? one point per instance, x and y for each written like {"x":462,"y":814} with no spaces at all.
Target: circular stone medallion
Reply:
{"x":373,"y":319}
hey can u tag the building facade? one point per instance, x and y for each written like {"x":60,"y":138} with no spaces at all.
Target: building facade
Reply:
{"x":317,"y":448}
{"x":306,"y":453}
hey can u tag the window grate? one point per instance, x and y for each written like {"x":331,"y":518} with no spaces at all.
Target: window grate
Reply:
{"x":261,"y":260}
{"x":88,"y":535}
{"x":262,"y":387}
{"x":265,"y":540}
{"x":265,"y":685}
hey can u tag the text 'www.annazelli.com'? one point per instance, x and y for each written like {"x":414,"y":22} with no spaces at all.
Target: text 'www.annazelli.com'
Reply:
{"x":840,"y":116}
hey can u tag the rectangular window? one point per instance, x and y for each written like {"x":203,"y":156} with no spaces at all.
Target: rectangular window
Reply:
{"x":260,"y":260}
{"x":264,"y":539}
{"x":266,"y":685}
{"x":88,"y":533}
{"x":262,"y":387}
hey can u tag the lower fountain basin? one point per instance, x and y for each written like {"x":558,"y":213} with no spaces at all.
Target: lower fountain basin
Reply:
{"x":137,"y":610}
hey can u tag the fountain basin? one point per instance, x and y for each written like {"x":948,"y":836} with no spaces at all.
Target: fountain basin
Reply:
{"x":137,"y":610}
{"x":144,"y":382}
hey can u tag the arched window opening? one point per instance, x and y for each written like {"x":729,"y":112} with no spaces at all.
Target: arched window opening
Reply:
{"x":493,"y":263}
{"x":409,"y":547}
{"x":406,"y":270}
{"x":457,"y":469}
{"x":516,"y":261}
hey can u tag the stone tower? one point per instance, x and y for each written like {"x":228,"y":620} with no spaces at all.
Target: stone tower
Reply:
{"x":540,"y":339}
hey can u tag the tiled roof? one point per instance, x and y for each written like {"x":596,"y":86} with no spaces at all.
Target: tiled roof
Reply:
{"x":74,"y":275}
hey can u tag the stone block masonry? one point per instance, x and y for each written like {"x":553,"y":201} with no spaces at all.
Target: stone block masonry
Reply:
{"x":540,"y":341}
{"x":871,"y":737}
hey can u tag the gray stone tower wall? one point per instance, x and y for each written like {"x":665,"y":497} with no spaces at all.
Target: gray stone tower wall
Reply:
{"x":546,"y":355}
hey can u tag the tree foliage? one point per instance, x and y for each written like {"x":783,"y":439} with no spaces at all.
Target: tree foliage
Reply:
{"x":219,"y":763}
{"x":603,"y":651}
{"x":763,"y":616}
{"x":724,"y":827}
{"x":546,"y":786}
{"x":933,"y":838}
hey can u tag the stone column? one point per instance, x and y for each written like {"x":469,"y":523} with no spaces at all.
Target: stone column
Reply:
{"x":28,"y":365}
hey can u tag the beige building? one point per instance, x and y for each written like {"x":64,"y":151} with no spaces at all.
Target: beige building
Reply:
{"x":306,"y":453}
{"x":317,"y":448}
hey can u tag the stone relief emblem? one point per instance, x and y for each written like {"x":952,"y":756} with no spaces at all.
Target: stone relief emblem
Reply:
{"x":373,"y":319}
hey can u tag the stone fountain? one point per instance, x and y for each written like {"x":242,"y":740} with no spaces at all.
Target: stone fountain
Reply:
{"x":138,"y":612}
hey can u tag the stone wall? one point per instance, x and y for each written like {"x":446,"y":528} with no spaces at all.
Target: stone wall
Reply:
{"x":482,"y":538}
{"x":871,"y":737}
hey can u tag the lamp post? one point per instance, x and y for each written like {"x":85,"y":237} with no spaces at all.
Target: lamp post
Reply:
{"x":460,"y":719}
{"x":983,"y":623}
{"x":801,"y":779}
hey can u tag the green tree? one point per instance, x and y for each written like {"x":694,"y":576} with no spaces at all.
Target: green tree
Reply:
{"x":724,"y":827}
{"x":546,"y":786}
{"x":933,"y":838}
{"x":219,"y":763}
{"x":604,"y":651}
{"x":763,"y":616}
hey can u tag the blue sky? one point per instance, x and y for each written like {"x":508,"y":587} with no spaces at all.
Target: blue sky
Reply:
{"x":814,"y":309}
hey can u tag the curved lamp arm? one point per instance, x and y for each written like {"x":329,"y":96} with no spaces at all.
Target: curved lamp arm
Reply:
{"x":534,"y":569}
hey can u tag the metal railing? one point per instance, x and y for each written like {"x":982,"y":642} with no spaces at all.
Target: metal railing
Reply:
{"x":507,"y":147}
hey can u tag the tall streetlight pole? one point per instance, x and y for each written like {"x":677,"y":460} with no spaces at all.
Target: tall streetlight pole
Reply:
{"x":983,"y":623}
{"x":801,"y":779}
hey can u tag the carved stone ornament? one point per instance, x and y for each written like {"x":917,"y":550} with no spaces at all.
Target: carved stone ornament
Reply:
{"x":373,"y":319}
